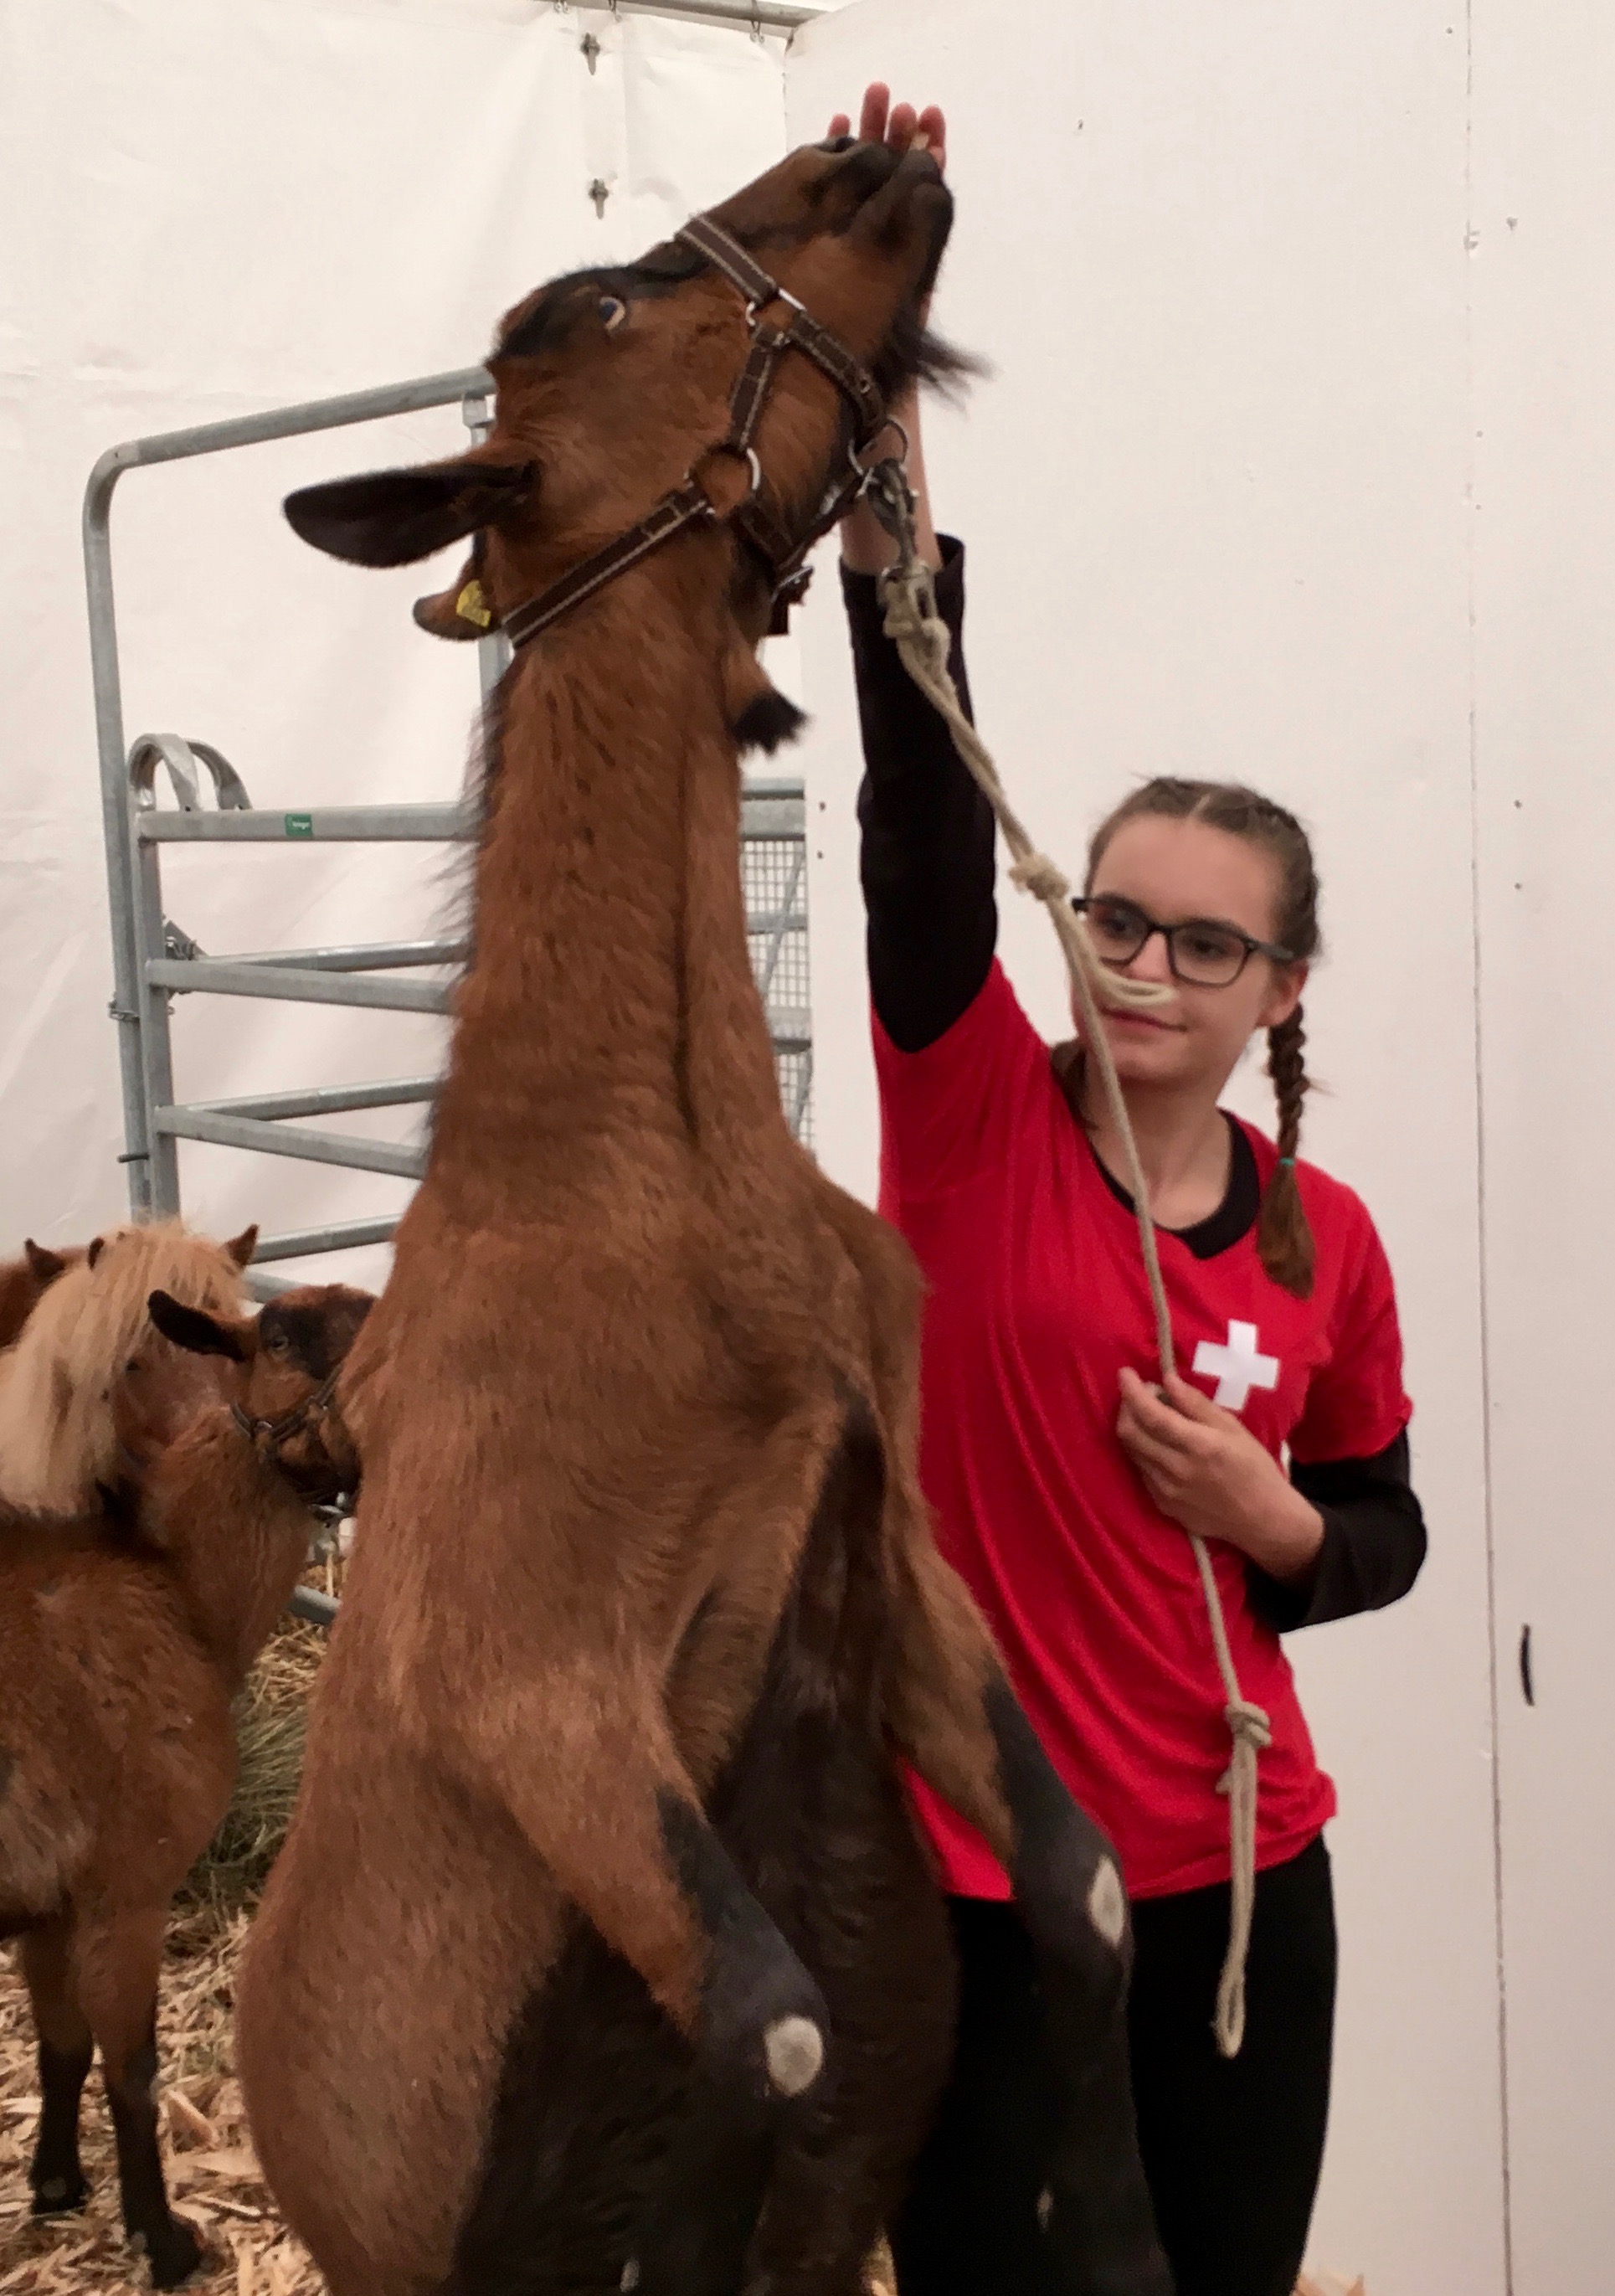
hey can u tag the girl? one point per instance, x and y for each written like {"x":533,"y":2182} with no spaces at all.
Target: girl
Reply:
{"x":1062,"y":1484}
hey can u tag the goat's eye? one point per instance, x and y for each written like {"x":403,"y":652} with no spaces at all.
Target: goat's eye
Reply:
{"x":279,"y":1345}
{"x":613,"y":312}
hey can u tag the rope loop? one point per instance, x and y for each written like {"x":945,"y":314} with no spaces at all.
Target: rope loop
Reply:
{"x":907,"y":595}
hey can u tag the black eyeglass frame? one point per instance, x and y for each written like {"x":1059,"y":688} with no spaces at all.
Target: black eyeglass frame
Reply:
{"x":1251,"y":946}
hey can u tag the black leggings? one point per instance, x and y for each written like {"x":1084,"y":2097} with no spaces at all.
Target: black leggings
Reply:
{"x":1231,"y":2148}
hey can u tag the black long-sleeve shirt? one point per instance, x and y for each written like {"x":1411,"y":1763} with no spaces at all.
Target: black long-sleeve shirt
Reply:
{"x":928,"y":868}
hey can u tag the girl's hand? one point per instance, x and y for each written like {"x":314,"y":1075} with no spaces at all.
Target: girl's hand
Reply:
{"x":881,"y":121}
{"x":866,"y":545}
{"x":1209,"y":1473}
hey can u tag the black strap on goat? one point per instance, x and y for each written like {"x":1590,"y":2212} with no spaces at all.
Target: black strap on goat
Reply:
{"x":273,"y":1433}
{"x":757,"y":518}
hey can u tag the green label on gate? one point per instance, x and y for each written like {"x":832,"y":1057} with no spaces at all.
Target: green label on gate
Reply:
{"x":299,"y":825}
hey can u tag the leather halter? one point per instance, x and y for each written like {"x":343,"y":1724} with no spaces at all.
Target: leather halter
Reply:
{"x":270,"y":1434}
{"x":758,"y":517}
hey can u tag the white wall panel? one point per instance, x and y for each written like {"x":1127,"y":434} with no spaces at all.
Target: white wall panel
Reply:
{"x":1215,"y":500}
{"x":1545,"y":600}
{"x":212,"y":211}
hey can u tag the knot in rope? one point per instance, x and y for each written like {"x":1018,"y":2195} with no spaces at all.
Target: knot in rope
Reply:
{"x":1248,"y":1726}
{"x":1039,"y":875}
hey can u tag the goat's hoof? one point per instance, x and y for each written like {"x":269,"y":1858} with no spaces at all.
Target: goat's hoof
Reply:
{"x":174,"y":2253}
{"x":61,"y":2197}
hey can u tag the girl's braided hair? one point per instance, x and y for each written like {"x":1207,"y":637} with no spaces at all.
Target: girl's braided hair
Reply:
{"x":1284,"y":1238}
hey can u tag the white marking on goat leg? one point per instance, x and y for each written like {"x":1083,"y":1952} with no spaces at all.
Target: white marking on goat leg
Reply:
{"x":1045,"y":2209}
{"x":1108,"y":1904}
{"x":630,"y":2276}
{"x":794,"y":2047}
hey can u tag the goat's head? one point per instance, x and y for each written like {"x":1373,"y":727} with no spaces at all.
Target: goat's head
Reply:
{"x":612,"y":384}
{"x":277,"y":1368}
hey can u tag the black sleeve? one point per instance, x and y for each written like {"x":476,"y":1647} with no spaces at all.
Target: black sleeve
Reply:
{"x":928,"y":858}
{"x":1373,"y":1542}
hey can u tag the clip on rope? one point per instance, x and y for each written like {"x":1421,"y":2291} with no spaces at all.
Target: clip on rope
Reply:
{"x":908,"y":596}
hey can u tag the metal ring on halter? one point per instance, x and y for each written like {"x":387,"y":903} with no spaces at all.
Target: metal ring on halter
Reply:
{"x":891,"y":423}
{"x":725,"y":447}
{"x":780,"y":295}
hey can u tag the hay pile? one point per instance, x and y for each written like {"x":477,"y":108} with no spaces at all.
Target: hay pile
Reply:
{"x":213,"y":2176}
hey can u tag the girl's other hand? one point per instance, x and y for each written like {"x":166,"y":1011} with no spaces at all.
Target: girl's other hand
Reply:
{"x":1206,"y":1469}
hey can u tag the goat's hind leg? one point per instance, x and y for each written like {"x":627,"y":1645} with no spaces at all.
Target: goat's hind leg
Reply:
{"x":119,"y":1959}
{"x":956,"y":1717}
{"x":56,"y":2173}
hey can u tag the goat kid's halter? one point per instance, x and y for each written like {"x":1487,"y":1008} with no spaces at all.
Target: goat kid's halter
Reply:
{"x":267,"y":1437}
{"x":758,"y":517}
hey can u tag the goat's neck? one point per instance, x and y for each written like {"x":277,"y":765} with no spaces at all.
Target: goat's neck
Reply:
{"x":234,"y":1534}
{"x":610,"y":996}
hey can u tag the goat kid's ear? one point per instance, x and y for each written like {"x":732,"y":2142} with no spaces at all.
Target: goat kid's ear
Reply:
{"x":200,"y":1333}
{"x":759,"y":715}
{"x":45,"y":1264}
{"x":241,"y":1248}
{"x":393,"y":517}
{"x":461,"y":612}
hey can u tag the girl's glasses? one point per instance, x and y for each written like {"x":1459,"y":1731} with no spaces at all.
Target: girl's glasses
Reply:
{"x":1202,"y":952}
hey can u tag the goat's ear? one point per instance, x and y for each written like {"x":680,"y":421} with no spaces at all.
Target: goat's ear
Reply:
{"x":200,"y":1333}
{"x":461,"y":612}
{"x":93,"y":1250}
{"x":45,"y":1264}
{"x":241,"y":1248}
{"x":393,"y":517}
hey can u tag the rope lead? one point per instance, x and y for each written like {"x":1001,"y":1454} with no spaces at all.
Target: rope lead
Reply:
{"x":908,"y":596}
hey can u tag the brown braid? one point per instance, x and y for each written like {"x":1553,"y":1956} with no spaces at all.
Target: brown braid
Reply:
{"x":1283,"y":1236}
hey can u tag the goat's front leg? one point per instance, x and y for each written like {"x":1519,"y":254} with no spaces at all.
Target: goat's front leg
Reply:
{"x":65,"y":2050}
{"x":119,"y":1958}
{"x":614,"y":1815}
{"x":958,"y":1721}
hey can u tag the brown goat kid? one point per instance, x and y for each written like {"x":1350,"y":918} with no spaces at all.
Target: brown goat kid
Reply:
{"x":24,"y":1281}
{"x":123,"y":1640}
{"x":645,"y":1614}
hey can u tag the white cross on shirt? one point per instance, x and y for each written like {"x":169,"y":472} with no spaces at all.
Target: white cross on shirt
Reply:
{"x":1236,"y":1368}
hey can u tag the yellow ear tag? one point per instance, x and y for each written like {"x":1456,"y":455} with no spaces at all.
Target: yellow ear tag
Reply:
{"x":472,"y":607}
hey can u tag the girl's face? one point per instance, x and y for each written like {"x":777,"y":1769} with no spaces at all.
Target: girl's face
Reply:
{"x":1178,"y":872}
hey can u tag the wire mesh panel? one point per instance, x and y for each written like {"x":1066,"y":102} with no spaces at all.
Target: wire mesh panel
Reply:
{"x":775,"y":877}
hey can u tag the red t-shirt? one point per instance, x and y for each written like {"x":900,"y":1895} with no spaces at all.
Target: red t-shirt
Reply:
{"x":1037,"y":1298}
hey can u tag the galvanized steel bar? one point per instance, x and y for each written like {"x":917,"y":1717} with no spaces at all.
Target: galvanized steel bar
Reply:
{"x":360,"y":956}
{"x":324,"y":1100}
{"x":308,"y":1603}
{"x":206,"y":976}
{"x":339,"y":824}
{"x":764,"y":15}
{"x":339,"y":1235}
{"x":307,"y":1147}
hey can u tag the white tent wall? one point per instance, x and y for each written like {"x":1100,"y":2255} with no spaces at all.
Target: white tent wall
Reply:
{"x":1215,"y":501}
{"x":215,"y":210}
{"x":1544,"y":606}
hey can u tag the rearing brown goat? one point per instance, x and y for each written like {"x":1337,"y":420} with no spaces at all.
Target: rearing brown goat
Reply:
{"x":121,"y":1646}
{"x":637,"y":1413}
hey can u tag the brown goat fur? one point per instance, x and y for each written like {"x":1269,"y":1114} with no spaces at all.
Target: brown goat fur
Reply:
{"x":124,"y":1637}
{"x":24,"y":1281}
{"x":644,"y":1610}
